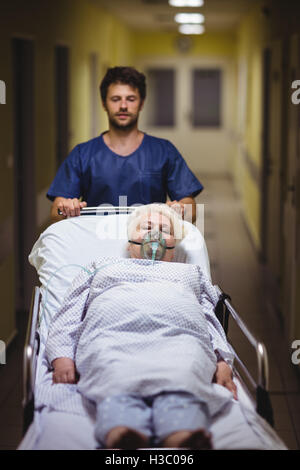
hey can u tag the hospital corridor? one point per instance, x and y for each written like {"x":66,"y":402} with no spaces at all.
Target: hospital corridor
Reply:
{"x":110,"y":104}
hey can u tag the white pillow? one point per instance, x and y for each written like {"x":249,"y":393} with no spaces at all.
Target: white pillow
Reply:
{"x":65,"y":247}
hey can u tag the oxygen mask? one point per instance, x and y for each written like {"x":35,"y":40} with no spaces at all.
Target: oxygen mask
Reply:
{"x":153,"y":245}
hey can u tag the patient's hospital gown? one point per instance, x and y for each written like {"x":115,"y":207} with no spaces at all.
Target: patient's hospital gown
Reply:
{"x":137,"y":327}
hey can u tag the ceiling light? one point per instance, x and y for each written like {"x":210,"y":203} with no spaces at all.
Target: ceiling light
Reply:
{"x":189,"y":18}
{"x":191,"y":29}
{"x":186,"y":3}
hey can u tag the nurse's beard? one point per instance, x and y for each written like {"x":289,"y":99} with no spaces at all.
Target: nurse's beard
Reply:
{"x":125,"y":127}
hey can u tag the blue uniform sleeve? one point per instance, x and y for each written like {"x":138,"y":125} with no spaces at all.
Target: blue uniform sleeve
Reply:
{"x":181,"y":181}
{"x":67,"y":182}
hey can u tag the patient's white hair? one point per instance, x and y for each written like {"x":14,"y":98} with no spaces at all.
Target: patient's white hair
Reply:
{"x":160,"y":208}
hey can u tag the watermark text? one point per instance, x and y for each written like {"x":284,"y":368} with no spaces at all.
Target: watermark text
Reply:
{"x":2,"y":92}
{"x":2,"y":352}
{"x":296,"y":354}
{"x":296,"y":94}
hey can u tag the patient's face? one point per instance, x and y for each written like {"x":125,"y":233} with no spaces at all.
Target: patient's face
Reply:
{"x":151,"y":222}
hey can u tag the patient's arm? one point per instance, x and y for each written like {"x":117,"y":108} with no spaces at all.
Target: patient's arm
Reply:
{"x":64,"y":371}
{"x":64,"y":330}
{"x":223,"y":376}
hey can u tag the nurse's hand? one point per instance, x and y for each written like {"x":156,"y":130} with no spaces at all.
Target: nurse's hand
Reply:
{"x":186,"y":208}
{"x":177,"y":206}
{"x":64,"y":371}
{"x":66,"y":207}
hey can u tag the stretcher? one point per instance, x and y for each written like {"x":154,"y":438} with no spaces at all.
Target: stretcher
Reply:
{"x":60,"y":252}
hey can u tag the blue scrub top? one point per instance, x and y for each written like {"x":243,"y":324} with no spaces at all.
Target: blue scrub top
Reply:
{"x":156,"y":168}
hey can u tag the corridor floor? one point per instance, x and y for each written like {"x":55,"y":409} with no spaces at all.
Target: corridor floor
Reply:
{"x":235,"y":269}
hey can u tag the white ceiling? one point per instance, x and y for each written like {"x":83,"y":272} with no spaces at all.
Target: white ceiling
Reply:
{"x":157,"y":15}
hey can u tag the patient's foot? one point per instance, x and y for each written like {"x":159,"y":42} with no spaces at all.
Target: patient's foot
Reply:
{"x":199,"y":439}
{"x":121,"y":437}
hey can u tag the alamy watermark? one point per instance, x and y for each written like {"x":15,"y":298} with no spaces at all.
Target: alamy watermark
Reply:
{"x":296,"y":354}
{"x":107,"y":229}
{"x":296,"y":94}
{"x":2,"y":92}
{"x":2,"y":352}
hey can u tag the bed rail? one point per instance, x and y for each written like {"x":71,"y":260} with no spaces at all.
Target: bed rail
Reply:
{"x":31,"y":351}
{"x":223,"y":311}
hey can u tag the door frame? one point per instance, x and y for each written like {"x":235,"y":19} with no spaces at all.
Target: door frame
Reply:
{"x":62,"y":57}
{"x":25,"y":211}
{"x":266,"y":72}
{"x":292,"y":193}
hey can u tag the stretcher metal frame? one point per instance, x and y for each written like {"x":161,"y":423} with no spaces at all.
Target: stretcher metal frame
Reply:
{"x":223,"y":310}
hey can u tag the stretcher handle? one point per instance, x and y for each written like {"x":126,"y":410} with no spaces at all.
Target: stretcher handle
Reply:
{"x":261,"y":352}
{"x":104,"y":209}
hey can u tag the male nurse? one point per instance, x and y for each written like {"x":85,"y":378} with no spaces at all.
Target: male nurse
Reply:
{"x":123,"y":166}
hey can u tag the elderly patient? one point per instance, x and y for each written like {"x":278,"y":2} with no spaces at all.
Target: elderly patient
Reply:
{"x":140,"y":339}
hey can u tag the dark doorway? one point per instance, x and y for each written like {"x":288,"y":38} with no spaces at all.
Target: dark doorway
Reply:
{"x":62,"y":90}
{"x":206,"y":102}
{"x":24,"y":169}
{"x":161,"y":105}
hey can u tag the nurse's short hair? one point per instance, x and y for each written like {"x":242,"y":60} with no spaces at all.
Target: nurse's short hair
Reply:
{"x":160,"y":208}
{"x":128,"y":76}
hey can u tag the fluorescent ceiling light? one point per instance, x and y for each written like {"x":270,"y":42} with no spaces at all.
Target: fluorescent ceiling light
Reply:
{"x":191,"y":29}
{"x":189,"y":18}
{"x":186,"y":3}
